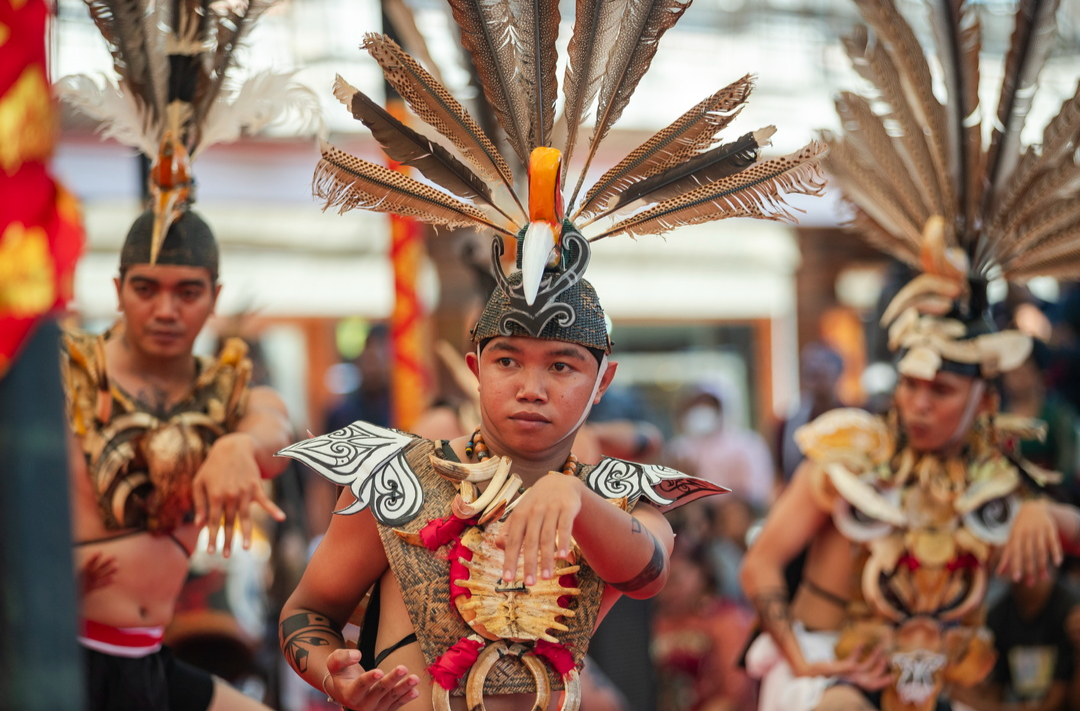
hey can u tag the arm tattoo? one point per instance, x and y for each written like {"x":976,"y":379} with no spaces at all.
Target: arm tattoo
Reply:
{"x":772,"y":606}
{"x":652,"y":570}
{"x":774,"y":612}
{"x":299,"y":633}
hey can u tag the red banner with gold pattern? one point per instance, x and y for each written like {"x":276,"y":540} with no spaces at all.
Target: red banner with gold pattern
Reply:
{"x":41,"y":235}
{"x":410,"y":379}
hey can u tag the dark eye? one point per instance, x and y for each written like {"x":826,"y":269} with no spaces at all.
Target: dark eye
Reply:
{"x":857,"y":525}
{"x":992,"y":521}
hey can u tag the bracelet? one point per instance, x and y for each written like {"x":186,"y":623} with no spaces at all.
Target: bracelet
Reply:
{"x":329,"y":698}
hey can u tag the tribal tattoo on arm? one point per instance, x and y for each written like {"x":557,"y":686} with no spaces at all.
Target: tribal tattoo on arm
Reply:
{"x":774,"y":611}
{"x":303,"y":632}
{"x":652,"y":570}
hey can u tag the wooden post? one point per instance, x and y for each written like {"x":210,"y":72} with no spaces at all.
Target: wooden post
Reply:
{"x":39,"y":658}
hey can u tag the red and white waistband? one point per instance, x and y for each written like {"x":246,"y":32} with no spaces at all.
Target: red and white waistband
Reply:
{"x":120,"y":641}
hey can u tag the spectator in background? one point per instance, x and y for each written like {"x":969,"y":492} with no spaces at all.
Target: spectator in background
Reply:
{"x":714,"y":447}
{"x":371,"y":399}
{"x":1036,"y":664}
{"x":819,"y":371}
{"x":1025,"y":393}
{"x":697,"y":638}
{"x":730,"y":523}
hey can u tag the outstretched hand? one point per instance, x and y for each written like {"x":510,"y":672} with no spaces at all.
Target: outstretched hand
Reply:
{"x":871,"y":673}
{"x":1034,"y":543}
{"x":348,"y":684}
{"x":96,"y":572}
{"x":225,"y":486}
{"x":539,"y":528}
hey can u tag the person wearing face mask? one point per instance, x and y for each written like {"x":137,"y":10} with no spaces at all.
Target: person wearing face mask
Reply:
{"x":714,"y":447}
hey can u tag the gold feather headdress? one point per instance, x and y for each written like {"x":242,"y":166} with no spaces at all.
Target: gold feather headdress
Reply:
{"x":680,"y":176}
{"x":931,"y":187}
{"x":172,"y":96}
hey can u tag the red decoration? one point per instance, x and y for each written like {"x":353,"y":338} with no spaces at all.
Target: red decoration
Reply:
{"x":455,"y":662}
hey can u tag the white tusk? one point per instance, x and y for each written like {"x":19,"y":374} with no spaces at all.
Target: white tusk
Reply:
{"x":490,"y":493}
{"x":536,"y":248}
{"x":460,"y":471}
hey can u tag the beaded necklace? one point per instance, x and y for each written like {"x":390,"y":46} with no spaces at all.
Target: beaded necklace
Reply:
{"x":476,"y":447}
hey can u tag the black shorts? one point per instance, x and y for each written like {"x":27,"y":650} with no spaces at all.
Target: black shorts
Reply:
{"x":156,"y":682}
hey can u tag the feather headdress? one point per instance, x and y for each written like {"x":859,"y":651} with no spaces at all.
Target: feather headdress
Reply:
{"x":964,"y":205}
{"x":172,"y":97}
{"x":680,"y":176}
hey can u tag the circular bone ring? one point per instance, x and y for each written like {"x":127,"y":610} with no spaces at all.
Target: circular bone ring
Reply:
{"x":492,"y":653}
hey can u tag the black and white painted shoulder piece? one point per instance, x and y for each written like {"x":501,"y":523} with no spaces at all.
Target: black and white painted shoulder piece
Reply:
{"x":663,"y":487}
{"x":370,"y":460}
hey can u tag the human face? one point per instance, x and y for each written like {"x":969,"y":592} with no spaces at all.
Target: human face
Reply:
{"x":165,"y":307}
{"x":533,"y":393}
{"x":938,"y":414}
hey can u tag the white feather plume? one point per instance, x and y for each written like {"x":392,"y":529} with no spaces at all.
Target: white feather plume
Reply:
{"x":265,"y":98}
{"x":120,"y":116}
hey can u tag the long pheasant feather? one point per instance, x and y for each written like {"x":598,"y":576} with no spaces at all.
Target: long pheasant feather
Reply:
{"x":487,"y":33}
{"x":867,"y":135}
{"x":690,"y":134}
{"x":959,"y":41}
{"x":538,"y":30}
{"x":1032,"y":39}
{"x":348,"y":183}
{"x":596,"y":27}
{"x":906,"y":57}
{"x":123,"y":24}
{"x":865,"y":188}
{"x":871,"y":61}
{"x":708,"y":167}
{"x":756,"y":192}
{"x":437,"y":108}
{"x":644,"y":23}
{"x":231,"y":29}
{"x":408,"y":147}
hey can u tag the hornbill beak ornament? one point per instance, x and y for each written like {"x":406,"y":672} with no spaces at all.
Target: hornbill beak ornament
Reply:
{"x":541,"y":240}
{"x":170,"y":188}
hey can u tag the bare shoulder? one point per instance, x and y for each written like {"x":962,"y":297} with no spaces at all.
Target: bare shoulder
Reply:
{"x":264,"y":397}
{"x":798,"y":515}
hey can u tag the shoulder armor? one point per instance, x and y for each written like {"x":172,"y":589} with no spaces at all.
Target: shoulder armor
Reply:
{"x":663,"y":487}
{"x":848,"y":435}
{"x":370,"y":460}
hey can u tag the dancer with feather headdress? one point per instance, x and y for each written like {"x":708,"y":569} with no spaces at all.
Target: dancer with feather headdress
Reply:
{"x":169,"y":442}
{"x":492,"y":557}
{"x":931,"y":493}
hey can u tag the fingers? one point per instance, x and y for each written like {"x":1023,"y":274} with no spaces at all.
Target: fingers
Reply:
{"x":565,"y":535}
{"x":512,"y":537}
{"x":262,"y":499}
{"x":198,"y":496}
{"x":535,"y":532}
{"x":213,"y":523}
{"x":238,"y":506}
{"x":377,"y":690}
{"x":340,"y":659}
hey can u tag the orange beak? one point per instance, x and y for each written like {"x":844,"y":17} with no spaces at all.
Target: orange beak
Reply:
{"x":545,"y":186}
{"x":170,"y":188}
{"x":539,"y":246}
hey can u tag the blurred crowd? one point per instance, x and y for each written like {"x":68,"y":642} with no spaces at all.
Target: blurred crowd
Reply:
{"x":680,"y":651}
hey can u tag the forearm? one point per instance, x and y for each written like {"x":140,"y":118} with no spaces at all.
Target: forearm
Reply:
{"x":767,"y":591}
{"x":307,"y":638}
{"x":1067,"y":518}
{"x":628,"y":552}
{"x":266,"y":424}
